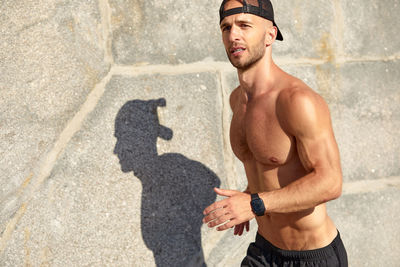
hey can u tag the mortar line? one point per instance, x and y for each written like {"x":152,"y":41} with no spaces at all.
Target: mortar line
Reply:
{"x":229,"y":168}
{"x":168,"y":69}
{"x":338,"y":29}
{"x":370,"y":186}
{"x":105,"y":12}
{"x":73,"y":126}
{"x":222,"y":66}
{"x":370,"y":59}
{"x":206,"y":248}
{"x":228,"y":158}
{"x":11,"y":226}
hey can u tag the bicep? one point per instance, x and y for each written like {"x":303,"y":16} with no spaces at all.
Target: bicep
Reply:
{"x":310,"y":124}
{"x":318,"y":152}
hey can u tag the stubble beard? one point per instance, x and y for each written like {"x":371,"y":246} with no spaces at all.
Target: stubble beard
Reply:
{"x":254,"y":57}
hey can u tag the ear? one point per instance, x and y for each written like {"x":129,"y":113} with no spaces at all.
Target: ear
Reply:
{"x":270,"y":35}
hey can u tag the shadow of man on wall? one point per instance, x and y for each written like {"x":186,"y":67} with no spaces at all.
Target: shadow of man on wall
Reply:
{"x":175,"y":188}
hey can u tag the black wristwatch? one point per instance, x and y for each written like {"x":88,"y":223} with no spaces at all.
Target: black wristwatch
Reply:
{"x":257,"y":205}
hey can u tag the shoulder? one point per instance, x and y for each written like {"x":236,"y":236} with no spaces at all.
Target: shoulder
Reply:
{"x":298,"y":96}
{"x":301,"y":108}
{"x":234,"y":97}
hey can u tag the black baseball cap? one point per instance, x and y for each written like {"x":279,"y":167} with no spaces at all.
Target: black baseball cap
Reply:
{"x":261,"y":8}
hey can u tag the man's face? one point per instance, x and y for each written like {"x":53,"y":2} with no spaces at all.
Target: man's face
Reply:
{"x":244,"y":37}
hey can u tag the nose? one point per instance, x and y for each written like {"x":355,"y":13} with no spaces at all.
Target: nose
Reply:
{"x":234,"y":34}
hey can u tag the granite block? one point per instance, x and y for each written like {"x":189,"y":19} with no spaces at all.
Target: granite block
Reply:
{"x":307,"y":29}
{"x":368,"y":224}
{"x":50,"y":60}
{"x":118,"y":196}
{"x":165,"y":32}
{"x":367,"y":119}
{"x":371,"y":28}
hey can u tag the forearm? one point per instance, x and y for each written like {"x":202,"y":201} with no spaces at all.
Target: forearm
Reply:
{"x":304,"y":193}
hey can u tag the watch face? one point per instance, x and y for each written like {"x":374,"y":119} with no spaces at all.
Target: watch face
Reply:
{"x":257,"y":205}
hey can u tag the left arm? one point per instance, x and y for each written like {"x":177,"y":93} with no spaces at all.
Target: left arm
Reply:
{"x":305,"y":115}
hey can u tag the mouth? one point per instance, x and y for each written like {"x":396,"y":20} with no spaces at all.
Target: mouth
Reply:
{"x":237,"y":50}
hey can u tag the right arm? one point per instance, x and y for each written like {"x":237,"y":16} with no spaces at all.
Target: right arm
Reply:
{"x":239,"y":229}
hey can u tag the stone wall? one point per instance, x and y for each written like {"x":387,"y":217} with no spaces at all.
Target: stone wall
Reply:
{"x":114,"y":127}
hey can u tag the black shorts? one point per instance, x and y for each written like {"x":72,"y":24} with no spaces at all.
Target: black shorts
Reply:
{"x":263,"y":253}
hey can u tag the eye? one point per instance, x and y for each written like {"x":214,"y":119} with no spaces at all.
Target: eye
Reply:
{"x":244,"y":25}
{"x":226,"y":28}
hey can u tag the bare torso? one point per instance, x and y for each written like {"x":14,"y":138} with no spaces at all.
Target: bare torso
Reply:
{"x":271,"y":161}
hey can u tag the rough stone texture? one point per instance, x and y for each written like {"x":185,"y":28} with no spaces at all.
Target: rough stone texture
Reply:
{"x":311,"y":34}
{"x":166,"y":31}
{"x":368,"y":224}
{"x":365,"y":113}
{"x":128,"y":188}
{"x":238,"y":173}
{"x":232,"y":249}
{"x":371,"y":30}
{"x":50,"y":60}
{"x":106,"y":212}
{"x":367,"y":121}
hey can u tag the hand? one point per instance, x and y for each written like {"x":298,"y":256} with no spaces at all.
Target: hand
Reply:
{"x":231,"y":211}
{"x":240,"y":228}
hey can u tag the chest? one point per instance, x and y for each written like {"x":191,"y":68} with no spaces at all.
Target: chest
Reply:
{"x":256,"y":133}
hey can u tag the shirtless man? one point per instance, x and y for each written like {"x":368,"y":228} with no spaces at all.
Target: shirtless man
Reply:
{"x":281,"y":130}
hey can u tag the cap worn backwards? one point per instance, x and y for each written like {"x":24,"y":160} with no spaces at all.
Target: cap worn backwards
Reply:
{"x":261,"y":8}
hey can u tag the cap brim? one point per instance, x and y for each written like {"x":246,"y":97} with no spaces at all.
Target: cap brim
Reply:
{"x":279,"y":36}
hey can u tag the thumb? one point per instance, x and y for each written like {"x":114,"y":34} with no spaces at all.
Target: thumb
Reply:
{"x":225,"y":192}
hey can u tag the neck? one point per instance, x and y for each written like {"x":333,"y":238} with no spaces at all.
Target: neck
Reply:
{"x":258,"y":78}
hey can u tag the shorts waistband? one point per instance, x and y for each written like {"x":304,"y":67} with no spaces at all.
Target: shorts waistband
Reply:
{"x":323,"y":252}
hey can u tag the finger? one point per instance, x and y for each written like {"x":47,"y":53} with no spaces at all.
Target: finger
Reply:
{"x":225,"y":192}
{"x":225,"y":226}
{"x":216,"y":205}
{"x":238,"y":228}
{"x":247,"y":226}
{"x":235,"y":230}
{"x":241,"y":229}
{"x":220,"y":220}
{"x":214,"y":215}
